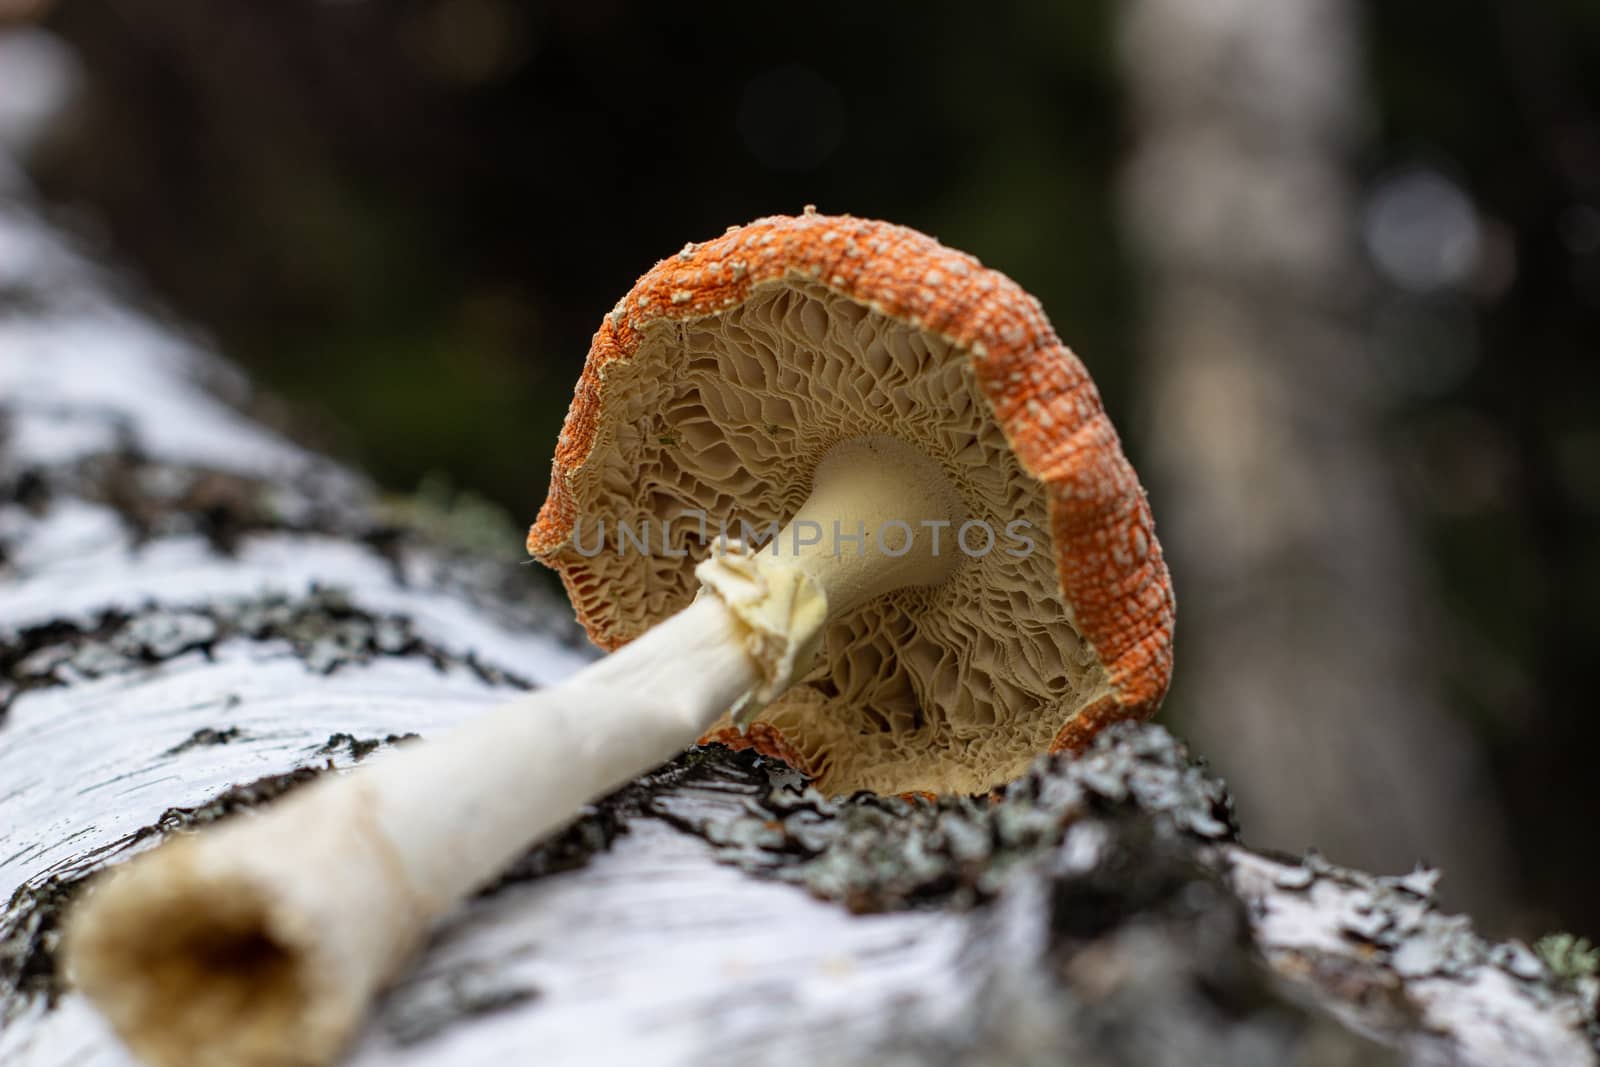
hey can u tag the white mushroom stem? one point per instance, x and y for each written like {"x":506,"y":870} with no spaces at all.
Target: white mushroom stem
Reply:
{"x":260,"y":942}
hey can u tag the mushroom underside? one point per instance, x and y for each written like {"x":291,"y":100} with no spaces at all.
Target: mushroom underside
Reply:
{"x":950,"y":688}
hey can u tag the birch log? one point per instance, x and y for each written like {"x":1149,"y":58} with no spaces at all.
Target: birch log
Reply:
{"x":197,"y":616}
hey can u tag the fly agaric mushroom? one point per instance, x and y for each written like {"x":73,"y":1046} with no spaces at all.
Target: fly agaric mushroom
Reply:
{"x":880,"y":395}
{"x":923,"y":391}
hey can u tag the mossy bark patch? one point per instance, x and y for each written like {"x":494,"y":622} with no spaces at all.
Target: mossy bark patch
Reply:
{"x":887,"y":853}
{"x":1122,"y":946}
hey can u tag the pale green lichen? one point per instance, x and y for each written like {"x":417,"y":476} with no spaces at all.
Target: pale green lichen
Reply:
{"x":456,"y":519}
{"x":886,"y":853}
{"x":1568,"y":956}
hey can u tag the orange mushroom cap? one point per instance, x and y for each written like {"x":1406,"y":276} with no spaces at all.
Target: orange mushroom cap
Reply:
{"x":775,"y":291}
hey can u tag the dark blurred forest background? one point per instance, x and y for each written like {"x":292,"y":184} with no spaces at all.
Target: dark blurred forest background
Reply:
{"x":1335,"y":265}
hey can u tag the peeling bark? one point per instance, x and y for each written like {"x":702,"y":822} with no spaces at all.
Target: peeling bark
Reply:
{"x":197,"y":616}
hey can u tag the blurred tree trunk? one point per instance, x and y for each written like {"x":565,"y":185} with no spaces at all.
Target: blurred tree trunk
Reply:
{"x":1305,"y":667}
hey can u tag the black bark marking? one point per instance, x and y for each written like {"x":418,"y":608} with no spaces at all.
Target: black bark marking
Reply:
{"x":325,"y":630}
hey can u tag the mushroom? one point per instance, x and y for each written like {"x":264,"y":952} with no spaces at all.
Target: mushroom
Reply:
{"x":827,"y":488}
{"x":840,"y":374}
